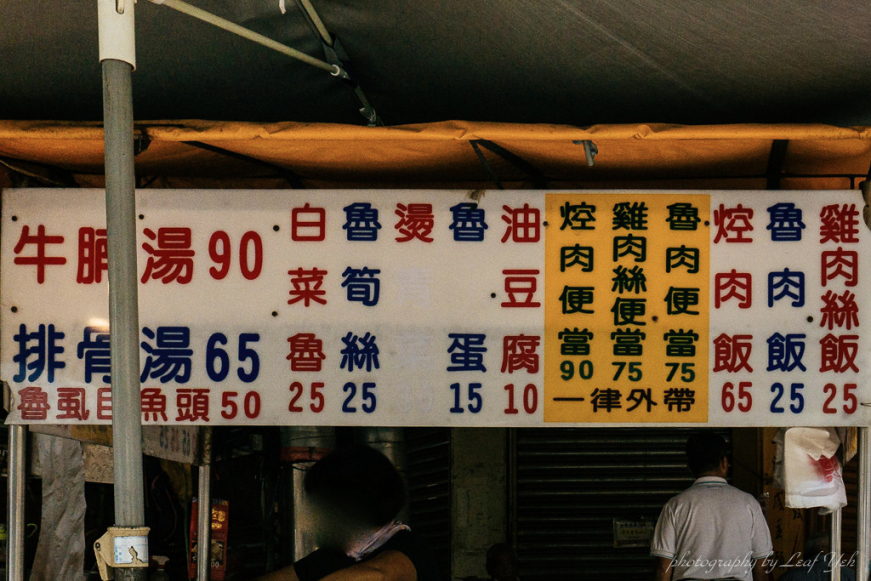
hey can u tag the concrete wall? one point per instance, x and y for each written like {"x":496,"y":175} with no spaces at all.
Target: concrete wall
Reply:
{"x":479,"y":497}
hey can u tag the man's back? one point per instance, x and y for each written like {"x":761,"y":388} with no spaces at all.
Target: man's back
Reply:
{"x":712,"y":531}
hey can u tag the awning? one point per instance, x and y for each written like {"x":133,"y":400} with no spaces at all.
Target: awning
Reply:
{"x":204,"y":154}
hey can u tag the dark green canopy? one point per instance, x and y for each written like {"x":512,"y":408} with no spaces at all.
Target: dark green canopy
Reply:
{"x":525,"y":61}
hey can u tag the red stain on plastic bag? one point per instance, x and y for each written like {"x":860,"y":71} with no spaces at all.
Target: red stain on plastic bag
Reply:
{"x":827,"y":468}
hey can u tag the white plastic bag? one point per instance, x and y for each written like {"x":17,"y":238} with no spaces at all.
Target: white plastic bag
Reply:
{"x":812,"y":473}
{"x":60,"y":553}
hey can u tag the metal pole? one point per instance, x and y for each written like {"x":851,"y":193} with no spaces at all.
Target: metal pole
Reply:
{"x":204,"y":523}
{"x":835,"y":546}
{"x":316,"y":21}
{"x":863,"y":508}
{"x":204,"y":510}
{"x":123,"y":299}
{"x":16,"y":480}
{"x":118,"y":58}
{"x":301,"y":447}
{"x":201,"y":14}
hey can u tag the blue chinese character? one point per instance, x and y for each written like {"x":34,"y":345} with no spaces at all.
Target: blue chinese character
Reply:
{"x":171,"y":359}
{"x":468,"y":224}
{"x":785,"y":353}
{"x":94,"y":349}
{"x":467,"y":352}
{"x":360,"y":352}
{"x":361,"y":222}
{"x":789,"y":284}
{"x":785,"y":222}
{"x":362,"y":284}
{"x":44,"y":353}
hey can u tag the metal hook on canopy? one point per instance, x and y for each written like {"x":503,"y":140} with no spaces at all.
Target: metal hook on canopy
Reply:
{"x":337,"y":56}
{"x":590,"y":151}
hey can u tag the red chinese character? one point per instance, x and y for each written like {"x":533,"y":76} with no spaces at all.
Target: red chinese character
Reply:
{"x":732,"y":223}
{"x":104,"y":403}
{"x":306,"y":352}
{"x":520,"y":285}
{"x":733,"y":284}
{"x":415,"y":221}
{"x":840,"y":262}
{"x":839,"y":310}
{"x":93,"y":255}
{"x":519,"y":352}
{"x":34,"y":403}
{"x":71,"y":404}
{"x":40,"y":260}
{"x":173,"y":259}
{"x":840,"y":223}
{"x":153,"y":404}
{"x":839,"y":353}
{"x":308,"y":224}
{"x":524,"y":224}
{"x":307,"y":286}
{"x":732,"y":354}
{"x":192,"y":404}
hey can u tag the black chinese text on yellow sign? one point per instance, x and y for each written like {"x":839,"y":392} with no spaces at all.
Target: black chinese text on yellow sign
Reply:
{"x":626,"y":308}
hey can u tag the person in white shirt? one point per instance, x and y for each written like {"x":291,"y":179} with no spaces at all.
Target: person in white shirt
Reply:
{"x":711,"y":530}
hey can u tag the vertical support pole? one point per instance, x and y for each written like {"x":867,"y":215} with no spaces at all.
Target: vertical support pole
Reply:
{"x":863,"y":517}
{"x":16,"y":481}
{"x":123,"y":300}
{"x":479,"y":495}
{"x":123,"y":293}
{"x":118,"y":58}
{"x":835,"y":545}
{"x":204,"y":510}
{"x":204,"y":523}
{"x":301,"y":447}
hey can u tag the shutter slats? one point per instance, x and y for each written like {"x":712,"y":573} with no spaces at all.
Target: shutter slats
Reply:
{"x":572,"y":483}
{"x":428,"y":468}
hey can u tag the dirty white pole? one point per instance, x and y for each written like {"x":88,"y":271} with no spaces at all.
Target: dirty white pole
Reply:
{"x":835,"y":546}
{"x":863,"y":506}
{"x":118,"y":58}
{"x":204,"y":509}
{"x":16,"y":476}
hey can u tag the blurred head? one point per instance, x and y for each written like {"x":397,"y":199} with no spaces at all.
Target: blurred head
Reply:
{"x":502,"y":562}
{"x":353,"y":492}
{"x":705,"y":452}
{"x":816,"y":544}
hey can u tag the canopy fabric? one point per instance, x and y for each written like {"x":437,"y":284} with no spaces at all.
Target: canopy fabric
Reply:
{"x":440,"y":155}
{"x":572,"y":62}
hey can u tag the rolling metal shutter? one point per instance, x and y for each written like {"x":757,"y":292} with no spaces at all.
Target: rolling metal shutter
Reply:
{"x":571,"y":483}
{"x":428,"y":461}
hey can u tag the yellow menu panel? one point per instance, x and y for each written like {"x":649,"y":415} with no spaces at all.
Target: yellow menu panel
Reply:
{"x":626,"y":308}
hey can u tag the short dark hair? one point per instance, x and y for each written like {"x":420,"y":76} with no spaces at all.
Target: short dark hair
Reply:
{"x":815,"y":544}
{"x":705,"y":451}
{"x":360,"y":483}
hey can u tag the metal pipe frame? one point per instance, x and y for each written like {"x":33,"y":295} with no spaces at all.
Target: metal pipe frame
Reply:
{"x":835,"y":546}
{"x":123,"y":299}
{"x":863,"y":508}
{"x":16,"y":482}
{"x":204,"y":508}
{"x":210,"y":18}
{"x":316,"y":21}
{"x":204,"y":523}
